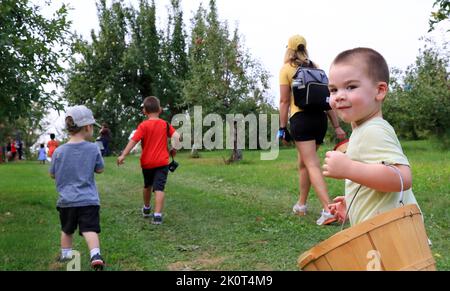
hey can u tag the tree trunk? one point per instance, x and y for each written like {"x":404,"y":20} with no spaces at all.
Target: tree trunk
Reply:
{"x":237,"y":153}
{"x":194,"y":152}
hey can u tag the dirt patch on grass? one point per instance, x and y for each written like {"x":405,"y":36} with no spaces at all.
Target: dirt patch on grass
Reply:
{"x":208,"y":161}
{"x":205,"y":262}
{"x":57,"y":266}
{"x":263,"y":267}
{"x":287,"y":167}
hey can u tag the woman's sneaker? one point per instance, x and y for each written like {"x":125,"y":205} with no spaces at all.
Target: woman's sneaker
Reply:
{"x":146,"y":213}
{"x":63,"y":260}
{"x":326,"y":218}
{"x":157,"y":220}
{"x":97,"y":262}
{"x":299,"y":210}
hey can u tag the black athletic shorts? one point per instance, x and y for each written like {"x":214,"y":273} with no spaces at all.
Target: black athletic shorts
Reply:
{"x":87,"y":218}
{"x":155,"y":178}
{"x":306,"y":126}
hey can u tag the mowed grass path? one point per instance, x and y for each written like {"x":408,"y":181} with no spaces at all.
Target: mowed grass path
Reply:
{"x":218,"y":217}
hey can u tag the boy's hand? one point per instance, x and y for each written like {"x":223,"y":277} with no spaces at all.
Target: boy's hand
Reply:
{"x":120,"y":160}
{"x":338,"y":208}
{"x":336,"y":165}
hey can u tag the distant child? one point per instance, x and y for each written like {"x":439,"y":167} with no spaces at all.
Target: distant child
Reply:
{"x":42,"y":155}
{"x":105,"y":138}
{"x":374,"y":161}
{"x":19,"y":146}
{"x":13,"y":149}
{"x":8,"y":152}
{"x":52,"y":145}
{"x":73,"y":167}
{"x":2,"y":153}
{"x":153,"y":134}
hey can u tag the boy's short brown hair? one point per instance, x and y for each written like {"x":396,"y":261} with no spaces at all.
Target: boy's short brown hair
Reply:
{"x":376,"y":66}
{"x":152,"y":105}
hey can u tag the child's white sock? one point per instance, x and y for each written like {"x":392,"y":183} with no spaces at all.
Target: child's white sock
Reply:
{"x":147,"y":207}
{"x":95,"y":251}
{"x":157,"y":214}
{"x":66,"y":253}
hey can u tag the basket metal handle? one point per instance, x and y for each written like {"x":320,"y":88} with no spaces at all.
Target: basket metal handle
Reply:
{"x":401,"y":182}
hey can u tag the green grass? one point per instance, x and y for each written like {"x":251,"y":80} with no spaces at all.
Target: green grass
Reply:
{"x":217,"y":216}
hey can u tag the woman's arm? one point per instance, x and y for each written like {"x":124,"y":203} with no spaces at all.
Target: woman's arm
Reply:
{"x":285,"y":103}
{"x":340,"y":133}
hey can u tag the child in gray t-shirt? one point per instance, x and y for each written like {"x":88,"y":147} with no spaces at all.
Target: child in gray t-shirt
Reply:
{"x":73,"y":167}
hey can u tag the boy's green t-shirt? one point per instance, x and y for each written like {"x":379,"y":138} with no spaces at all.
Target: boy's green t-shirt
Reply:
{"x":374,"y":142}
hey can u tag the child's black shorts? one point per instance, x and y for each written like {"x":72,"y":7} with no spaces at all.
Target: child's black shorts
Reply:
{"x":156,"y":178}
{"x":306,"y":126}
{"x":87,"y":218}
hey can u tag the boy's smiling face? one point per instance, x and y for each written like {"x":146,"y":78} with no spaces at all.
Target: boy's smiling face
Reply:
{"x":354,"y":95}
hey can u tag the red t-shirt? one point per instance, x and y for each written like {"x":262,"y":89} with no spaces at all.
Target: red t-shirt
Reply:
{"x":52,"y":145}
{"x":152,"y":134}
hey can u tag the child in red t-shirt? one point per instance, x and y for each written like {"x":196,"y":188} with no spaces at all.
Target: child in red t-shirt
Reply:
{"x":13,"y":149}
{"x":52,"y":145}
{"x":153,"y":134}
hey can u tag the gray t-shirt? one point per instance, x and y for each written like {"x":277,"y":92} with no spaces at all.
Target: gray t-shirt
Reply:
{"x":73,"y":166}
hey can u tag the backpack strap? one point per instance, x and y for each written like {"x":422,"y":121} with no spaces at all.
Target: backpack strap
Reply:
{"x":168,"y":129}
{"x":309,"y":65}
{"x":168,"y":136}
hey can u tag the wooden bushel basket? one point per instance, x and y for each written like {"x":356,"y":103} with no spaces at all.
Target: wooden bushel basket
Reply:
{"x":394,"y":240}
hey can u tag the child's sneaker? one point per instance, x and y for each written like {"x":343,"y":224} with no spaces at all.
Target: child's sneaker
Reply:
{"x":146,"y":213}
{"x":299,"y":210}
{"x":157,"y":220}
{"x":326,"y":218}
{"x":97,"y":262}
